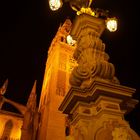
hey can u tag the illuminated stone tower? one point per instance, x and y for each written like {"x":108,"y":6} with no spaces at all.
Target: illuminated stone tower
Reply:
{"x":55,"y":85}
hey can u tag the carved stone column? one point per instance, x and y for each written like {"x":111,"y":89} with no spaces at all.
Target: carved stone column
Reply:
{"x":96,"y":101}
{"x":90,"y":52}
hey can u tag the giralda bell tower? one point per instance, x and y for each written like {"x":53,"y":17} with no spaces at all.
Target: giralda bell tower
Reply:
{"x":55,"y":85}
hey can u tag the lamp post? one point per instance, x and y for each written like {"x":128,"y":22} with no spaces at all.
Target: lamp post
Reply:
{"x":83,"y":6}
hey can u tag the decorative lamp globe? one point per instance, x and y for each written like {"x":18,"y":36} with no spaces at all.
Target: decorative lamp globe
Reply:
{"x":111,"y":24}
{"x":55,"y":4}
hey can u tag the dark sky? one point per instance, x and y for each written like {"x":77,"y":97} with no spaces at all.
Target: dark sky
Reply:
{"x":27,"y":28}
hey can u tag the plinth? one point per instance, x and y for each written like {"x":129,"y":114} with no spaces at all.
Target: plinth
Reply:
{"x":97,"y":112}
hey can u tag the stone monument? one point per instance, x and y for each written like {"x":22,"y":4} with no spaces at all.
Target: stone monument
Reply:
{"x":96,"y":102}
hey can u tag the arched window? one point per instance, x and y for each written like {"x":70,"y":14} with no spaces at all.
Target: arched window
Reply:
{"x":7,"y":130}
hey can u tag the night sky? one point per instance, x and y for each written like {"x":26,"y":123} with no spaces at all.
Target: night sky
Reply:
{"x":27,"y":28}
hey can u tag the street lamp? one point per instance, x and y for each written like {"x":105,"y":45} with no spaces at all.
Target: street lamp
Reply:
{"x":75,"y":4}
{"x":55,"y":4}
{"x":111,"y":24}
{"x":83,"y":6}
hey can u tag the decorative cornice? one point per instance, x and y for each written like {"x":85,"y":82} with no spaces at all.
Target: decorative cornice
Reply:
{"x":90,"y":52}
{"x":94,"y":91}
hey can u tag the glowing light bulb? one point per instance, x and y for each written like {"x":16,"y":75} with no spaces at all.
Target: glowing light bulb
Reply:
{"x":55,"y":4}
{"x":70,"y":40}
{"x":111,"y":24}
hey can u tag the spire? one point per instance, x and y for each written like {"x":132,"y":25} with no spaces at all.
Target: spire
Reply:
{"x":32,"y":98}
{"x":62,"y":33}
{"x":4,"y":87}
{"x":66,"y":27}
{"x":64,"y":30}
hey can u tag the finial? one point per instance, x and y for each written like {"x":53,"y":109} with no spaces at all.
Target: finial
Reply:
{"x":4,"y":87}
{"x":32,"y":98}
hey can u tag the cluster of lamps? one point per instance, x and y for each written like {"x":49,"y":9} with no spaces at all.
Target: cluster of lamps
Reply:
{"x":83,"y":6}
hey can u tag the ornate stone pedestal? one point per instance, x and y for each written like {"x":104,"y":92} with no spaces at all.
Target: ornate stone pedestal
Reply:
{"x":97,"y":112}
{"x":96,"y":102}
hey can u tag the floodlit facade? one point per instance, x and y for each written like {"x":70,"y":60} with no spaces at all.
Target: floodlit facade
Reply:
{"x":80,"y":92}
{"x":10,"y":125}
{"x":59,"y":65}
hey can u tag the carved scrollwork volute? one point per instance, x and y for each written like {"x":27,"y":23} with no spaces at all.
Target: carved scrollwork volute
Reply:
{"x":92,"y":61}
{"x":81,"y":133}
{"x":121,"y":133}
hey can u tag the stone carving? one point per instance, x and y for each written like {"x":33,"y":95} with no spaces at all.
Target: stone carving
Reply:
{"x":121,"y":133}
{"x":63,"y":31}
{"x":78,"y":4}
{"x":61,"y":85}
{"x":92,"y":61}
{"x":115,"y":130}
{"x":72,"y":63}
{"x":81,"y":132}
